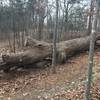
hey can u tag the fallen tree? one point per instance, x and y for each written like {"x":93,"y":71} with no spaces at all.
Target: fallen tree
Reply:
{"x":39,"y":51}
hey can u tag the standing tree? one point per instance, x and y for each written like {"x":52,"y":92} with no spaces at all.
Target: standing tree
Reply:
{"x":91,"y":51}
{"x":54,"y":57}
{"x":40,"y":10}
{"x":90,"y":17}
{"x":68,"y":4}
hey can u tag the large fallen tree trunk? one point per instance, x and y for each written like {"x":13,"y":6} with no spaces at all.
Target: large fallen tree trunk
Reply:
{"x":39,"y":51}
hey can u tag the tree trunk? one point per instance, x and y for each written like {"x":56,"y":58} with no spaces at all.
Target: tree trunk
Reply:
{"x":91,"y":51}
{"x":90,"y":18}
{"x":54,"y":56}
{"x":39,"y":51}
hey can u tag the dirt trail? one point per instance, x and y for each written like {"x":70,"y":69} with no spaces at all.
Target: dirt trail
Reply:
{"x":39,"y":84}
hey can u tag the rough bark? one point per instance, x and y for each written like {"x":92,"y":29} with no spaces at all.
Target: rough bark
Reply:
{"x":39,"y":51}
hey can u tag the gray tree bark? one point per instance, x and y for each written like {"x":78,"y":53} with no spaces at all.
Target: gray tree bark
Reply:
{"x":39,"y":51}
{"x":54,"y":56}
{"x":91,"y":52}
{"x":90,"y":18}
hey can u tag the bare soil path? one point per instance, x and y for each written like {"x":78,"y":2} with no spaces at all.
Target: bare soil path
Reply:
{"x":40,"y":84}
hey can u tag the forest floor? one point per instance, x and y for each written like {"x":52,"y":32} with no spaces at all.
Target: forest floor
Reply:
{"x":68,"y":83}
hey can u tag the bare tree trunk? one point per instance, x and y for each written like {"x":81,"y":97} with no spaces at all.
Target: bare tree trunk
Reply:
{"x":90,"y":18}
{"x":54,"y":57}
{"x":91,"y":52}
{"x":47,"y":36}
{"x":40,"y":27}
{"x":14,"y":42}
{"x":66,"y":16}
{"x":23,"y":34}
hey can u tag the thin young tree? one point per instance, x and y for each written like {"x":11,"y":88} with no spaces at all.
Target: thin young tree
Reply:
{"x":90,"y":17}
{"x":91,"y":51}
{"x":54,"y":57}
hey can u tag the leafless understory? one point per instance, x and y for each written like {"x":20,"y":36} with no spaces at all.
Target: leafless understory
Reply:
{"x":49,"y":49}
